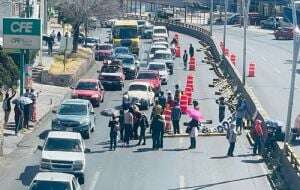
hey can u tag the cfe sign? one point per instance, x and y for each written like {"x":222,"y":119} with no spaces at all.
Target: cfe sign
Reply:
{"x":21,"y":33}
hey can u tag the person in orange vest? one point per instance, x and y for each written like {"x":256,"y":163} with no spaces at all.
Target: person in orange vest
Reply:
{"x":167,"y":113}
{"x":257,"y":133}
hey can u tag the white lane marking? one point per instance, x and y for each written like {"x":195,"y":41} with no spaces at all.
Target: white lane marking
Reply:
{"x":94,"y":181}
{"x":181,"y":182}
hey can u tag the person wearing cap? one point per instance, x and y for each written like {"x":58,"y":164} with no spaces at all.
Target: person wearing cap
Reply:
{"x":231,"y":137}
{"x":114,"y":128}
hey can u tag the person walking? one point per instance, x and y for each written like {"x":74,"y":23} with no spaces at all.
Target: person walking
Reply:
{"x":231,"y":137}
{"x":241,"y":109}
{"x":18,"y":118}
{"x":114,"y":126}
{"x":175,"y":117}
{"x":128,"y":124}
{"x":157,"y":126}
{"x":58,"y":36}
{"x":191,"y":50}
{"x":6,"y":105}
{"x":33,"y":97}
{"x":162,"y":99}
{"x":222,"y":109}
{"x":257,"y":133}
{"x":185,"y":59}
{"x":193,"y":130}
{"x":143,"y":125}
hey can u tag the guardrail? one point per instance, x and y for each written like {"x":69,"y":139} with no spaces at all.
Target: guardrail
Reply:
{"x":203,"y":35}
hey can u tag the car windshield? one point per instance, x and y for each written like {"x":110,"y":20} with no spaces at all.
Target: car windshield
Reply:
{"x":86,"y":86}
{"x":161,"y":30}
{"x":137,"y":87}
{"x":60,"y":144}
{"x":146,"y":76}
{"x":162,"y":56}
{"x":128,"y":61}
{"x":156,"y":67}
{"x":109,"y":69}
{"x":103,"y":47}
{"x":121,"y":51}
{"x":125,"y":32}
{"x":72,"y":109}
{"x":50,"y":185}
{"x":153,"y":50}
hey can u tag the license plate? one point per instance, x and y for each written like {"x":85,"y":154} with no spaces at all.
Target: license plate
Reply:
{"x":70,"y":129}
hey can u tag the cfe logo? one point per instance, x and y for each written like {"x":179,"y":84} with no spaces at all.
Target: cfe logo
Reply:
{"x":21,"y":27}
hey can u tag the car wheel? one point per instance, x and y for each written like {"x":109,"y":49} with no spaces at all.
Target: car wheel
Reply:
{"x":81,"y":179}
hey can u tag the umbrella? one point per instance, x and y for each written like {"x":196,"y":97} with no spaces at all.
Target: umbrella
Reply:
{"x":109,"y":112}
{"x":195,"y":114}
{"x":25,"y":100}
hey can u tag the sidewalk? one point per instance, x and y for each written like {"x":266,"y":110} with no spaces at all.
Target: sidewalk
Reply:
{"x":48,"y":97}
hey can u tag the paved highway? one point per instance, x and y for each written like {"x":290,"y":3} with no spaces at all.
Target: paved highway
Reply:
{"x":139,"y":168}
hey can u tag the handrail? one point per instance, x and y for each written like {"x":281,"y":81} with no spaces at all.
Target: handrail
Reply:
{"x":294,"y":160}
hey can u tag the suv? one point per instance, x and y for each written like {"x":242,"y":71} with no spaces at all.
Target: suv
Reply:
{"x":89,"y":89}
{"x":64,"y":152}
{"x":164,"y":56}
{"x":130,"y":66}
{"x":103,"y":51}
{"x":75,"y":115}
{"x":160,"y":31}
{"x":54,"y":180}
{"x":111,"y":75}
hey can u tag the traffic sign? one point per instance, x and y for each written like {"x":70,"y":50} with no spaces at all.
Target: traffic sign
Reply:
{"x":22,"y":33}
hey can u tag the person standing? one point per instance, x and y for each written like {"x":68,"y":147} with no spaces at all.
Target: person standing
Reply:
{"x":136,"y":121}
{"x":162,"y":99}
{"x":52,"y":35}
{"x":222,"y":108}
{"x":191,"y":50}
{"x":18,"y":118}
{"x":177,"y":93}
{"x":175,"y":116}
{"x":58,"y":36}
{"x":231,"y":137}
{"x":143,"y":125}
{"x":241,"y":109}
{"x":157,"y":126}
{"x":33,"y":97}
{"x":193,"y":131}
{"x":6,"y":105}
{"x":50,"y":46}
{"x":185,"y":59}
{"x":121,"y":121}
{"x":167,"y":116}
{"x":257,"y":133}
{"x":128,"y":124}
{"x":114,"y":128}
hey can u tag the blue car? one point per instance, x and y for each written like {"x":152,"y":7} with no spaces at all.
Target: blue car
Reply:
{"x":119,"y":51}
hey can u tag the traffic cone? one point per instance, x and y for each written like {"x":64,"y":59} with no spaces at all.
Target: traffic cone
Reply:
{"x":251,"y":71}
{"x":183,"y":103}
{"x":177,"y":51}
{"x":233,"y":58}
{"x":226,"y":52}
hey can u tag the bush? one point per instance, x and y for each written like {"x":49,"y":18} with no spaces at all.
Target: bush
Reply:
{"x":9,"y":73}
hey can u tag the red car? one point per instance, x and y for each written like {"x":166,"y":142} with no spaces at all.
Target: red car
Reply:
{"x":103,"y":51}
{"x":89,"y":89}
{"x":152,"y":77}
{"x":285,"y":33}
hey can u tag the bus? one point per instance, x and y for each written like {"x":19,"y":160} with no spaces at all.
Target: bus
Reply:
{"x":125,"y":33}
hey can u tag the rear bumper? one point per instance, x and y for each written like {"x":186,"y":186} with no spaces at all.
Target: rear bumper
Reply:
{"x":111,"y":83}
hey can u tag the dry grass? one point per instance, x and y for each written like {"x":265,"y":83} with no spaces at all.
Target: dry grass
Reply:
{"x":72,"y":63}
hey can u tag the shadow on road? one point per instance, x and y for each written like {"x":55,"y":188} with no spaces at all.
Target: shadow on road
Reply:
{"x":97,"y":152}
{"x":175,"y":149}
{"x":143,"y":150}
{"x":225,"y":156}
{"x":219,"y":183}
{"x":253,"y":161}
{"x":29,"y":173}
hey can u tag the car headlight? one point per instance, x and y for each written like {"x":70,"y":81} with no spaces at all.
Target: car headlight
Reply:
{"x":78,"y":165}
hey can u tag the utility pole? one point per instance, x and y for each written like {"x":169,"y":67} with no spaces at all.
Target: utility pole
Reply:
{"x":245,"y":12}
{"x":296,"y":40}
{"x":225,"y":26}
{"x":185,"y":15}
{"x":211,"y":16}
{"x":140,"y":7}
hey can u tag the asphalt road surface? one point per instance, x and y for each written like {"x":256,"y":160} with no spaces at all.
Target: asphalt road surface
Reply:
{"x":140,"y":168}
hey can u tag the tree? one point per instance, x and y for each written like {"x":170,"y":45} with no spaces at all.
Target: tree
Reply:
{"x":77,"y":12}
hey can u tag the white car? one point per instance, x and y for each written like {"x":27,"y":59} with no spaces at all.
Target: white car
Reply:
{"x":158,"y":39}
{"x":64,"y":152}
{"x":139,"y":93}
{"x":160,"y":31}
{"x":54,"y":180}
{"x":162,"y":70}
{"x":154,"y":48}
{"x":162,"y":43}
{"x":164,"y":56}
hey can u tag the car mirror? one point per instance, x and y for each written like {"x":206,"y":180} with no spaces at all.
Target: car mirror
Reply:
{"x":54,"y":111}
{"x":87,"y":150}
{"x":39,"y":147}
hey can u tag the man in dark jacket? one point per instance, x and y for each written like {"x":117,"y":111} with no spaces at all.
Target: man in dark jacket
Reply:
{"x":191,"y":50}
{"x":222,"y":108}
{"x":114,"y":128}
{"x":157,"y":126}
{"x":185,"y":59}
{"x":143,"y":125}
{"x":175,"y":117}
{"x":162,"y":100}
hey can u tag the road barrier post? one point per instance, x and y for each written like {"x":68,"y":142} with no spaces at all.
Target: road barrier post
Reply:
{"x":233,"y":58}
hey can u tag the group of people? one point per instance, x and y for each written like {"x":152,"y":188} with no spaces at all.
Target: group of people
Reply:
{"x":23,"y":112}
{"x":51,"y":40}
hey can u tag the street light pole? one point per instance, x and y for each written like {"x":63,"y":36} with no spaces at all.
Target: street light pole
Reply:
{"x":245,"y":12}
{"x":211,"y":16}
{"x":296,"y":40}
{"x":225,"y":26}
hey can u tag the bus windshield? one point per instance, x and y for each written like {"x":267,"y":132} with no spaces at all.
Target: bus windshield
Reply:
{"x":125,"y":32}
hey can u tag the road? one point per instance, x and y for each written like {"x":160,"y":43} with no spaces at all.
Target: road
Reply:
{"x":138,"y":167}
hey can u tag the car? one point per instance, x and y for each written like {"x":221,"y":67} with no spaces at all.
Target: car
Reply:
{"x":147,"y":31}
{"x":130,"y":66}
{"x":89,"y":89}
{"x":285,"y":33}
{"x":54,"y":180}
{"x":75,"y":115}
{"x":90,"y":42}
{"x":139,"y":93}
{"x":64,"y":152}
{"x":141,"y":25}
{"x":234,"y":19}
{"x":162,"y":43}
{"x":162,"y":70}
{"x":153,"y":49}
{"x":152,"y":77}
{"x":112,"y":76}
{"x":160,"y":31}
{"x":103,"y":51}
{"x":120,"y":51}
{"x":164,"y":56}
